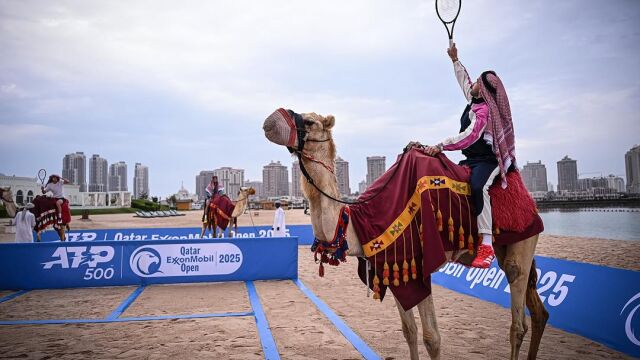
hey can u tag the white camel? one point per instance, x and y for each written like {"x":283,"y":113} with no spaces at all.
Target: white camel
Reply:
{"x":319,"y":153}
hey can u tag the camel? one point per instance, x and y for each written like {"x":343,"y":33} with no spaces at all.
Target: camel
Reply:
{"x":311,"y":137}
{"x":6,"y":196}
{"x":239,"y":207}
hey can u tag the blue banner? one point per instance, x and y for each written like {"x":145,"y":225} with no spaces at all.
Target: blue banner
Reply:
{"x":304,"y":233}
{"x":598,"y":302}
{"x":115,"y":263}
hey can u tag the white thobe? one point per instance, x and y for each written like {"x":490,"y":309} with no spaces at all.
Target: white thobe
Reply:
{"x":279,"y":227}
{"x":25,"y":221}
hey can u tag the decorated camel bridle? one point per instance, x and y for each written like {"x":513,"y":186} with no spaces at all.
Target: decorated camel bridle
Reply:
{"x":297,"y":125}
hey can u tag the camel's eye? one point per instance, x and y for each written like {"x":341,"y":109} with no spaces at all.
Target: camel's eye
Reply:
{"x":309,"y":122}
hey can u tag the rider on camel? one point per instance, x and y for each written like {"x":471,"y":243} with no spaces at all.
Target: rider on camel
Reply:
{"x":212,"y":189}
{"x":56,"y":186}
{"x":486,"y":138}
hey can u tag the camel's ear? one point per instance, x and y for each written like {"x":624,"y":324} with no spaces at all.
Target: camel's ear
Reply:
{"x":328,"y":122}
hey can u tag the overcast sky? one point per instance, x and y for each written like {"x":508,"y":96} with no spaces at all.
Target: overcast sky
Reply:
{"x":184,"y":87}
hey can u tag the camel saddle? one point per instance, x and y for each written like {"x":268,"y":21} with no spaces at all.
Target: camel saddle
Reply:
{"x":222,"y":208}
{"x":46,"y":213}
{"x":422,"y":210}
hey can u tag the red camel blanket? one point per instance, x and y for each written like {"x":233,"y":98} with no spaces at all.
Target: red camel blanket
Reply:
{"x":422,"y":210}
{"x":223,"y":208}
{"x":46,"y":213}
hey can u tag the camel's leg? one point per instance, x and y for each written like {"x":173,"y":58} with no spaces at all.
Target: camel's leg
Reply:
{"x":204,"y":229}
{"x":409,"y":329}
{"x":38,"y":236}
{"x":430,"y":333}
{"x":539,"y":314}
{"x":61,"y":233}
{"x":516,"y":265}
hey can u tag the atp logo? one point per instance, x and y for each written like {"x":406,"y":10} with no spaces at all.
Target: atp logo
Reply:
{"x":145,"y":261}
{"x":72,"y":257}
{"x":628,"y":328}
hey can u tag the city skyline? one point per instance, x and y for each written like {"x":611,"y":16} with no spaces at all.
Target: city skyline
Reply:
{"x":76,"y":158}
{"x":207,"y":88}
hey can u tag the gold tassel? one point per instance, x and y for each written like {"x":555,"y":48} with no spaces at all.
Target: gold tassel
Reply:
{"x":439,"y":220}
{"x":396,"y":275}
{"x":385,"y":274}
{"x":414,"y":269}
{"x":470,"y":243}
{"x":460,"y":237}
{"x":497,"y":231}
{"x":405,"y":272}
{"x":376,"y":287}
{"x":450,"y":227}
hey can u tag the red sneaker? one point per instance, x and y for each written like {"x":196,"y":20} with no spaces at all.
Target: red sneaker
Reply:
{"x":484,"y":258}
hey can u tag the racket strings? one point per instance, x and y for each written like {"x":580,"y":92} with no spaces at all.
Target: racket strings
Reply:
{"x":448,"y":10}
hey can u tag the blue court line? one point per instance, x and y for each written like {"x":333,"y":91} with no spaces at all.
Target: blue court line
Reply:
{"x":125,"y":304}
{"x":13,"y":296}
{"x":101,"y":321}
{"x":352,"y":337}
{"x":266,"y":338}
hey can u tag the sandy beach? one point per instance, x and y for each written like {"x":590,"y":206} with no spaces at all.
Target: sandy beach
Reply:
{"x":470,"y":328}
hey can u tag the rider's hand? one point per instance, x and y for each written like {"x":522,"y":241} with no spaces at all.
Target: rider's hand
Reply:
{"x":453,"y":52}
{"x":413,"y":144}
{"x":432,"y":150}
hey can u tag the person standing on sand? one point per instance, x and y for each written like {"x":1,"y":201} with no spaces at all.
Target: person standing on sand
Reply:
{"x":25,"y":221}
{"x":279,"y":228}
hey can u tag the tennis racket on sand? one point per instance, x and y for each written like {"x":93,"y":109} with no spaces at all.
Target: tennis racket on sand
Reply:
{"x":448,"y":11}
{"x":42,"y":174}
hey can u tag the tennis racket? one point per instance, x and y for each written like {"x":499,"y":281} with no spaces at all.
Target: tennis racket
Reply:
{"x":42,"y":174}
{"x":448,"y":11}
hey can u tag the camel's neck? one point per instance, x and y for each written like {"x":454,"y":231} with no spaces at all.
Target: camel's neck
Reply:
{"x":241,"y":205}
{"x":324,"y":211}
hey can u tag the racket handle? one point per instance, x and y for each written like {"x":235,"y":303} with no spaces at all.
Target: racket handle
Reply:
{"x":450,"y":43}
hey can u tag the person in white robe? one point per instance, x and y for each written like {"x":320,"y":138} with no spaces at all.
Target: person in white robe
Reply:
{"x":279,"y":228}
{"x":25,"y":221}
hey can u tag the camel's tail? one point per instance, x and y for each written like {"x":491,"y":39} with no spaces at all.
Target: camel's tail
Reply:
{"x":539,"y":314}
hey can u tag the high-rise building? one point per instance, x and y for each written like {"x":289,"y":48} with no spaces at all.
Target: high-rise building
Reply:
{"x":230,"y":179}
{"x":362,"y":186}
{"x":535,"y":176}
{"x":567,"y":174}
{"x":550,"y":186}
{"x":118,"y":176}
{"x":342,"y":174}
{"x":140,"y":181}
{"x":296,"y":189}
{"x":376,"y":166}
{"x":98,"y":175}
{"x":275,"y":180}
{"x":616,"y":183}
{"x":202,"y":181}
{"x":257,"y":186}
{"x":632,"y":167}
{"x":74,"y":169}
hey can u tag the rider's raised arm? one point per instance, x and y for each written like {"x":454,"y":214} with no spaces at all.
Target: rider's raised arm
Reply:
{"x":463,"y":79}
{"x":461,"y":73}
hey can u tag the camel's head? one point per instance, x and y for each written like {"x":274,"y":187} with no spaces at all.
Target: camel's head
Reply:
{"x":247,"y":190}
{"x":7,"y":199}
{"x":308,"y":131}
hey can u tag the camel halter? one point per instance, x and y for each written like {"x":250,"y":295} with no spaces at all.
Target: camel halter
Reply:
{"x":287,"y":128}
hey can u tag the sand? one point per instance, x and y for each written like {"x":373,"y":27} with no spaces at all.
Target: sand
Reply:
{"x":470,"y":328}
